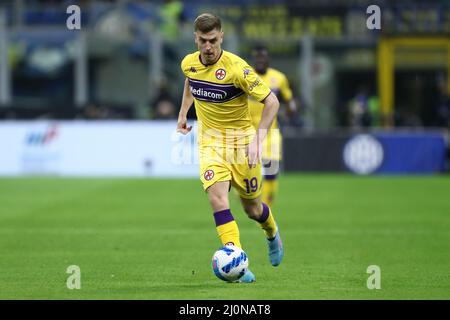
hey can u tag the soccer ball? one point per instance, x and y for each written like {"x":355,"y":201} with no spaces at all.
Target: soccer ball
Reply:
{"x":229,"y":263}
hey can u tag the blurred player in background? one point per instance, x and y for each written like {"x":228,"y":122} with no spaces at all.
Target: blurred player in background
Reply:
{"x":230,"y":148}
{"x":271,"y":154}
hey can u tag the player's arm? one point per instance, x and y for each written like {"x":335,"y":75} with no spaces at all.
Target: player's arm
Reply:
{"x":247,"y":79}
{"x":291,"y":107}
{"x":186,"y":104}
{"x":288,"y":98}
{"x":271,"y":106}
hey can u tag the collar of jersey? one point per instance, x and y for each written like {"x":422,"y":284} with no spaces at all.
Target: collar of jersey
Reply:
{"x":207,"y":65}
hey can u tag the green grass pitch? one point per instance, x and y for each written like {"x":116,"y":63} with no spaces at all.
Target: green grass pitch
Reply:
{"x":154,"y":239}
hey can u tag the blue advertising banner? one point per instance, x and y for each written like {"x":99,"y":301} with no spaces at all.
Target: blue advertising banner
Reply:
{"x":412,"y":152}
{"x":393,"y":152}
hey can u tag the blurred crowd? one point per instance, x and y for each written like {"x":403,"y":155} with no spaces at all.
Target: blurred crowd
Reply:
{"x":125,"y":84}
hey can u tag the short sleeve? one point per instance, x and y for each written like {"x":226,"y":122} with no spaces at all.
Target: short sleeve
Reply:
{"x":247,"y":79}
{"x":183,"y":65}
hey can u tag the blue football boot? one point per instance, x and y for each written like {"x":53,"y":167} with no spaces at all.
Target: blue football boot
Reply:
{"x":275,"y":249}
{"x":248,"y":277}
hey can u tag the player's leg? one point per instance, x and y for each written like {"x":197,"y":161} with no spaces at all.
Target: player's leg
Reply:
{"x":226,"y":226}
{"x":270,"y":183}
{"x":271,"y":165}
{"x":248,"y":184}
{"x":262,"y":214}
{"x":215,"y":177}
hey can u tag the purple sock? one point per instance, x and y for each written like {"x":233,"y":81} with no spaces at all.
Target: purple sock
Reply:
{"x":265,"y":213}
{"x":222,"y":217}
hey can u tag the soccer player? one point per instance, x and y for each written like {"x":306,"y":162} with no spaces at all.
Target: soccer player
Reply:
{"x":219,"y":83}
{"x":271,"y":154}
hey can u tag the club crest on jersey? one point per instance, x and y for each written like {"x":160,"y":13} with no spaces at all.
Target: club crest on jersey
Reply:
{"x":208,"y":175}
{"x":220,"y":74}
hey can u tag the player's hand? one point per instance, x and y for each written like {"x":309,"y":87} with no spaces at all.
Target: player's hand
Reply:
{"x":253,"y":153}
{"x":291,"y":112}
{"x":291,"y":109}
{"x":182,"y":126}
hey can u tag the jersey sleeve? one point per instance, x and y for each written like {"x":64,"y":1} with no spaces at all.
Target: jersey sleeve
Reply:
{"x":285,"y":90}
{"x":247,"y":79}
{"x":184,"y":64}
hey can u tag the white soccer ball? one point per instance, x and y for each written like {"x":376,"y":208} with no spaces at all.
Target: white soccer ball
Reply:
{"x":229,"y":263}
